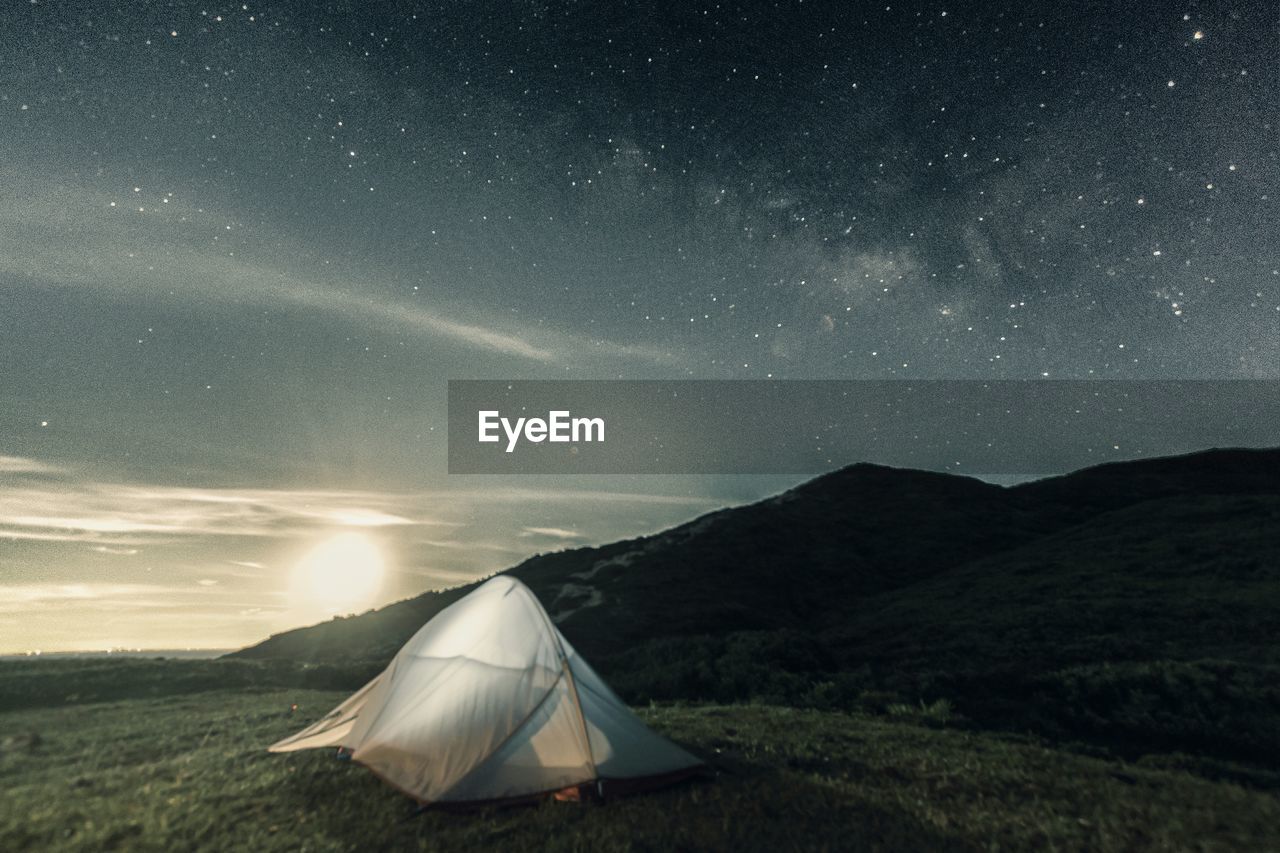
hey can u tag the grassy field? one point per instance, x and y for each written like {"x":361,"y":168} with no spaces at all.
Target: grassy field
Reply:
{"x":190,"y":771}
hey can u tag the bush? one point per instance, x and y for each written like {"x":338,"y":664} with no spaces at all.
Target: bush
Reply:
{"x":1220,"y":707}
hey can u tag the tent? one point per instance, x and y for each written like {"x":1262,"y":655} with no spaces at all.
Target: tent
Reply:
{"x":488,"y":702}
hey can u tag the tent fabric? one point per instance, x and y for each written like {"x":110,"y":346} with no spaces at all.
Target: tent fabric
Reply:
{"x":488,"y":701}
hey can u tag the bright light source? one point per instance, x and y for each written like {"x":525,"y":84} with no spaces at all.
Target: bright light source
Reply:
{"x":342,"y":574}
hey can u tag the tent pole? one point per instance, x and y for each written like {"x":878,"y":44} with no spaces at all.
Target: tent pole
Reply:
{"x":573,"y":684}
{"x":582,"y":718}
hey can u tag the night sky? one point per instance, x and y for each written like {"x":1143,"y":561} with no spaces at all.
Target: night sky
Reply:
{"x":243,"y":247}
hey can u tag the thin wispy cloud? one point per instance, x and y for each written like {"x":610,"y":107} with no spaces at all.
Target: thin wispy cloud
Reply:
{"x":77,"y":237}
{"x":24,"y":465}
{"x":445,"y":578}
{"x":117,"y":517}
{"x":121,"y":518}
{"x":24,"y":598}
{"x":469,"y":545}
{"x":529,"y":495}
{"x":551,"y":532}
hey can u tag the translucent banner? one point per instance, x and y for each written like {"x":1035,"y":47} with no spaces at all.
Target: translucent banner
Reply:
{"x":1030,"y":427}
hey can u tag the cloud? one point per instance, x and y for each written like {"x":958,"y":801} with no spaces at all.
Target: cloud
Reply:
{"x":123,"y":518}
{"x":551,"y":532}
{"x":390,"y":312}
{"x":533,"y":496}
{"x":24,"y":598}
{"x":355,"y":517}
{"x":470,"y":546}
{"x":23,"y":465}
{"x":214,"y":570}
{"x":446,"y":578}
{"x":116,"y":517}
{"x":75,"y":237}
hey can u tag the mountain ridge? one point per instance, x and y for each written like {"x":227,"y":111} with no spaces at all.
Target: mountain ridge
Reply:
{"x":1128,"y":605}
{"x":960,"y":511}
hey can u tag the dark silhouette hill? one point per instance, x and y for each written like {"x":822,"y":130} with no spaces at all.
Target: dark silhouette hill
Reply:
{"x":1130,"y":602}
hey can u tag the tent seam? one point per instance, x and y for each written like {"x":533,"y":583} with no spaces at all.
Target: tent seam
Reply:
{"x":573,"y":682}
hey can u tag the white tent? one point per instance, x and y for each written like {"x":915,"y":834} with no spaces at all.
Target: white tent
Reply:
{"x":488,"y":702}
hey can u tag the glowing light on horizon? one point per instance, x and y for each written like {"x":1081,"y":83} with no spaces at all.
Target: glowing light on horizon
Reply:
{"x":342,"y":574}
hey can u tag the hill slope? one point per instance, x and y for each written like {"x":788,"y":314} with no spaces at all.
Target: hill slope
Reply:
{"x":1087,"y":605}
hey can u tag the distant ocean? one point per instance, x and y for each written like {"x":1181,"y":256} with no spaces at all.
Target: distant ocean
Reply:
{"x":189,"y":654}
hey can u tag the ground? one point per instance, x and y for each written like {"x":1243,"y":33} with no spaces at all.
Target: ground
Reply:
{"x":192,"y":772}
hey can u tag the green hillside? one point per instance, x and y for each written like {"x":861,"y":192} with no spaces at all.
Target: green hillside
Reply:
{"x":1127,"y":607}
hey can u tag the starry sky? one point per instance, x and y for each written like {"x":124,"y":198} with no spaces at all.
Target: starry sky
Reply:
{"x":244,"y":246}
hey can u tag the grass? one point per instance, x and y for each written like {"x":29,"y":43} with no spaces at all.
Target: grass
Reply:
{"x":190,"y":771}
